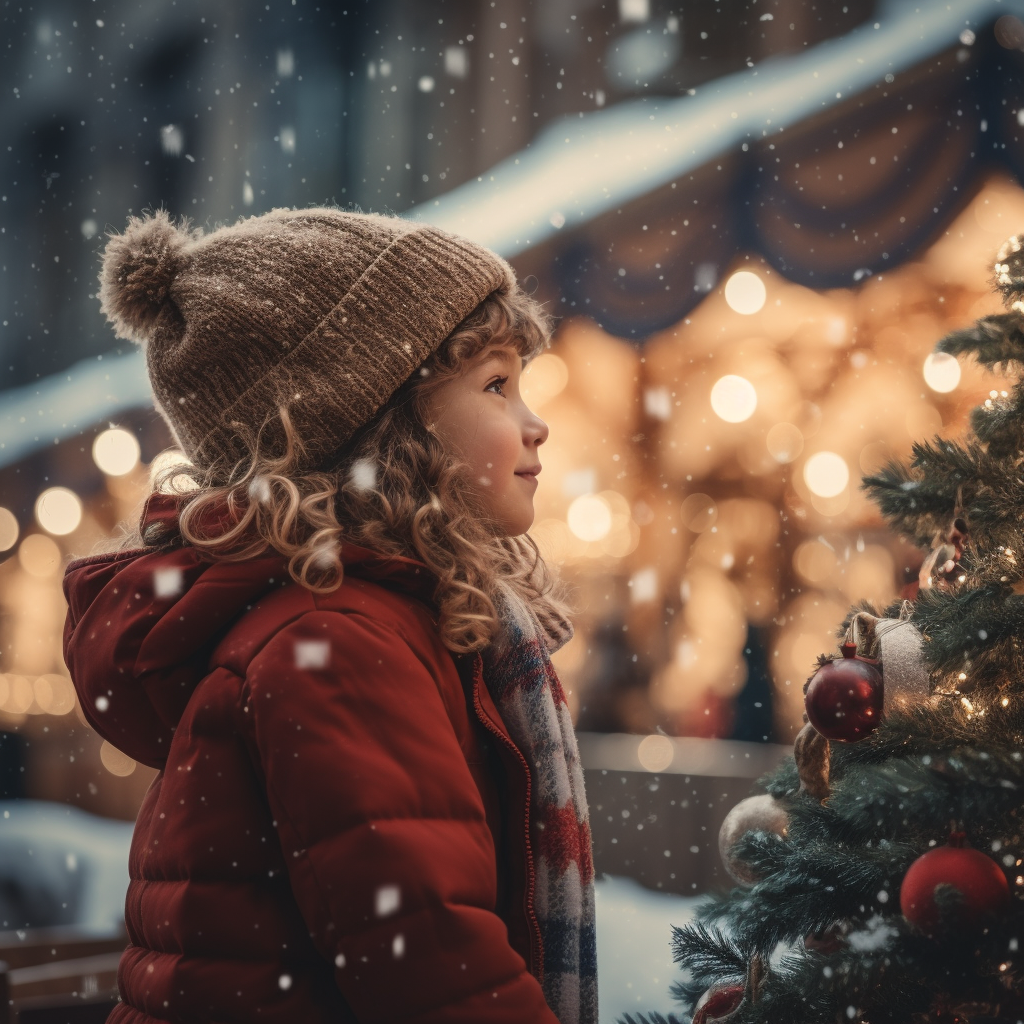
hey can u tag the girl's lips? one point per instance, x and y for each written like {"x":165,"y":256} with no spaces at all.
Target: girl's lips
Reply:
{"x":529,"y":474}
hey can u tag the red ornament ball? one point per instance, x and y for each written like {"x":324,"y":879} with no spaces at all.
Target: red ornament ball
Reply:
{"x":978,"y":878}
{"x":844,"y":697}
{"x":718,"y":1003}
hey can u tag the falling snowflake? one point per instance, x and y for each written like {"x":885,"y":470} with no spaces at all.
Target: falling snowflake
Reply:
{"x":398,"y":947}
{"x":259,"y":489}
{"x":363,"y":475}
{"x":388,"y":900}
{"x":168,"y":581}
{"x":312,"y":653}
{"x":658,"y":403}
{"x":644,"y":583}
{"x":172,"y":139}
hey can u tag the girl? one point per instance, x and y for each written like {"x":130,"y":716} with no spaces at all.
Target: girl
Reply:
{"x":336,"y":645}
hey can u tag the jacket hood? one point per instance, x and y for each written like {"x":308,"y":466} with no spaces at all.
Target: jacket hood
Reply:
{"x":142,"y":624}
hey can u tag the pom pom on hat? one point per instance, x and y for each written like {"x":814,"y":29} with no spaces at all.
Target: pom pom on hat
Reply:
{"x":139,"y":268}
{"x":323,"y":311}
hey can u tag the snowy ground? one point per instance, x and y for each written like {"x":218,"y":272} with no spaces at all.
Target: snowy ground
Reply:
{"x":634,"y":924}
{"x":634,"y":960}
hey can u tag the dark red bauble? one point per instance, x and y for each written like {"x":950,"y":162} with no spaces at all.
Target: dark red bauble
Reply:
{"x":717,"y":1003}
{"x":844,"y":697}
{"x":978,"y":878}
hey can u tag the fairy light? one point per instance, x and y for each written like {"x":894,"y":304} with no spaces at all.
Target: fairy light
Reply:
{"x":116,"y":451}
{"x":745,"y":292}
{"x":58,"y":510}
{"x":967,"y":704}
{"x":941,"y":372}
{"x":733,"y":398}
{"x":826,"y":474}
{"x":962,"y":676}
{"x":1005,"y":701}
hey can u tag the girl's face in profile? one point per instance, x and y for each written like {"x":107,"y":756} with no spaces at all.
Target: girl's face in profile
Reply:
{"x":480,"y":415}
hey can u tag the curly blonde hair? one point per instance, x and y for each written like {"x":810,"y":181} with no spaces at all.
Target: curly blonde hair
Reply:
{"x":396,"y":490}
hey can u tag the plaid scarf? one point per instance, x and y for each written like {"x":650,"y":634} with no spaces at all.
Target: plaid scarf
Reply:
{"x":526,"y":690}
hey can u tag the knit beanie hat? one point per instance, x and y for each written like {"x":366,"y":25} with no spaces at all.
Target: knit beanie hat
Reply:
{"x":326,"y":311}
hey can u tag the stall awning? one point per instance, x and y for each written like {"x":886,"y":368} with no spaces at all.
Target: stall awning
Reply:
{"x":833,"y":163}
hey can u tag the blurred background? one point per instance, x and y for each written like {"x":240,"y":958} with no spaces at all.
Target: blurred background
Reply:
{"x":752,"y":218}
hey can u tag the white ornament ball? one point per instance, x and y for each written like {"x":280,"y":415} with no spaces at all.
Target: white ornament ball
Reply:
{"x":755,"y":814}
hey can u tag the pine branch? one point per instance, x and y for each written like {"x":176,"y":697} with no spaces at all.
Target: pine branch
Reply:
{"x":993,"y":340}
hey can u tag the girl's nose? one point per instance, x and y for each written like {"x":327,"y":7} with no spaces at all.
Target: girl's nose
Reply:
{"x":536,"y":432}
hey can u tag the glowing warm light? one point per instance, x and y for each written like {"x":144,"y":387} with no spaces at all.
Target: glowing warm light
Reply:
{"x":8,"y":529}
{"x":784,"y":442}
{"x":655,"y":752}
{"x":116,"y":762}
{"x":745,"y":292}
{"x":58,"y":510}
{"x":814,"y":561}
{"x":543,"y":378}
{"x":644,"y":585}
{"x":116,"y":451}
{"x":941,"y":372}
{"x":54,"y":694}
{"x":16,"y":694}
{"x":698,"y":512}
{"x":39,"y":555}
{"x":733,"y":398}
{"x":590,"y":517}
{"x":826,"y":474}
{"x":169,"y":460}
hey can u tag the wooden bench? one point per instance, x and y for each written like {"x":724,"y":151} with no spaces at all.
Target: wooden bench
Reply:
{"x":58,"y":976}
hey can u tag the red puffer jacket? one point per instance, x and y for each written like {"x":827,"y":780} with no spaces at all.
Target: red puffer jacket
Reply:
{"x":339,"y":831}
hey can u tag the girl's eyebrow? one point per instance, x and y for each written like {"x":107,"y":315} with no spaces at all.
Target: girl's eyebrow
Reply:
{"x":503,"y":353}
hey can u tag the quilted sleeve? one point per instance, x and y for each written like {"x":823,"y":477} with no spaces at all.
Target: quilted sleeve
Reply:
{"x":382,"y":826}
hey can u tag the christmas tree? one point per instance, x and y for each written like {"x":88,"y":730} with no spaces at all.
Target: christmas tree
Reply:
{"x":880,"y":874}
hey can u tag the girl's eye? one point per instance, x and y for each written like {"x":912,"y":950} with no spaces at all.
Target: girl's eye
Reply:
{"x":497,"y":385}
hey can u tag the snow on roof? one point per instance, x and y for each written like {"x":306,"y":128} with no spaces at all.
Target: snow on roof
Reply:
{"x":573,"y":171}
{"x":581,"y":167}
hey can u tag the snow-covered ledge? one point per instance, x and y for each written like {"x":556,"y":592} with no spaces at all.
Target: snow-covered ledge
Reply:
{"x":573,"y":171}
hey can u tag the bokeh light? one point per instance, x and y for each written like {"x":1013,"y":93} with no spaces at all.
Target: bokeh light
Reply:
{"x":39,"y":555}
{"x":58,"y":510}
{"x":655,"y":752}
{"x":8,"y":529}
{"x":941,"y":372}
{"x":745,"y":292}
{"x":826,"y":474}
{"x":116,"y":451}
{"x":543,"y":379}
{"x":116,"y":762}
{"x":733,"y":398}
{"x":172,"y":458}
{"x":590,"y":517}
{"x":16,"y":694}
{"x":784,"y":442}
{"x":54,"y":694}
{"x":698,"y":513}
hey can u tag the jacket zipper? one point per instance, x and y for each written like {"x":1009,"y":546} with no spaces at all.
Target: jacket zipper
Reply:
{"x":537,"y":965}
